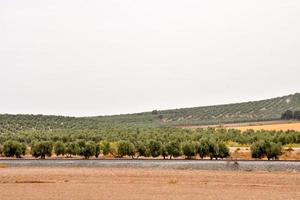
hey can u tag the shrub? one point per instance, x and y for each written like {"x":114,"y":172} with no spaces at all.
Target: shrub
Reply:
{"x":42,"y":149}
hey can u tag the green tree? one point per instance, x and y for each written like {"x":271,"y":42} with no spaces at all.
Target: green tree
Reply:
{"x":154,"y":148}
{"x":213,"y":149}
{"x":59,"y":148}
{"x":273,"y":150}
{"x":87,"y":149}
{"x":223,"y":150}
{"x":13,"y":148}
{"x":105,"y":146}
{"x":267,"y":149}
{"x":174,"y":149}
{"x":203,"y":148}
{"x":287,"y":115}
{"x":297,"y":115}
{"x":140,"y":149}
{"x":42,"y":149}
{"x":189,"y":149}
{"x":98,"y":150}
{"x":258,"y":149}
{"x":163,"y":151}
{"x":71,"y":149}
{"x":126,"y":148}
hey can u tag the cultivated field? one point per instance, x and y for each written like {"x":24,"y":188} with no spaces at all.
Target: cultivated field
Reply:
{"x":269,"y":125}
{"x":121,"y":184}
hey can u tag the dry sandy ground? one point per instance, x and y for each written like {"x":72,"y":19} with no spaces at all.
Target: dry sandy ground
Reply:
{"x":268,"y":125}
{"x":140,"y":184}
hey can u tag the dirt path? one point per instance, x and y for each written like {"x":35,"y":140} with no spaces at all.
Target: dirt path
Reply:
{"x":143,"y":184}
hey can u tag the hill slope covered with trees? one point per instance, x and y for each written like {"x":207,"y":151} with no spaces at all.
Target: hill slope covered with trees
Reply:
{"x":270,"y":109}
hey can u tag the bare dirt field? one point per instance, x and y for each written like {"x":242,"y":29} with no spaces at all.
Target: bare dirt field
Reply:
{"x":143,"y":184}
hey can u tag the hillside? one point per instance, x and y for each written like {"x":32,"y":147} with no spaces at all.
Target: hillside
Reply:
{"x":263,"y":110}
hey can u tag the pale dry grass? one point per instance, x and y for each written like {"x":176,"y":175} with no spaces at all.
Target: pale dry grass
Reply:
{"x":271,"y":127}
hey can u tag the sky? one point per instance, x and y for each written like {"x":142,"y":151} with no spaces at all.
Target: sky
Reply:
{"x":91,"y":57}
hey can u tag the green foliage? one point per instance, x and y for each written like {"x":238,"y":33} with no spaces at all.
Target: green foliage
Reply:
{"x":267,"y":149}
{"x":273,"y":150}
{"x":154,"y":148}
{"x":105,"y":146}
{"x":174,"y":149}
{"x":126,"y":148}
{"x":98,"y":150}
{"x":141,"y":149}
{"x":297,"y":115}
{"x":223,"y":150}
{"x":86,"y":149}
{"x":71,"y":149}
{"x":42,"y":149}
{"x":14,"y":148}
{"x":59,"y":148}
{"x":287,"y":115}
{"x":190,"y":149}
{"x":203,"y":148}
{"x":270,"y":109}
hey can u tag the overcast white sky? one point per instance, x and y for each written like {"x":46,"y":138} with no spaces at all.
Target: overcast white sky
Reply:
{"x":83,"y":58}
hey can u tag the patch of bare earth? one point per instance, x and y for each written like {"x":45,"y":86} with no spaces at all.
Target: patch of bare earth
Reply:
{"x":138,"y":184}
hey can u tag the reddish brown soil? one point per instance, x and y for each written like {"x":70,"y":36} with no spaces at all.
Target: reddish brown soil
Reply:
{"x":139,"y":184}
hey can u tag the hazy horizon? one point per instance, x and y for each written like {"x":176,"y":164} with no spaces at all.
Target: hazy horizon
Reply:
{"x":92,"y":58}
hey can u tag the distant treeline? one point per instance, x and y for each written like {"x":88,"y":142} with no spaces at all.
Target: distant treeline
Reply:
{"x":288,"y":115}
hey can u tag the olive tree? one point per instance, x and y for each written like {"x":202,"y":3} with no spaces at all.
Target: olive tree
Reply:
{"x":267,"y":149}
{"x":42,"y":149}
{"x":86,"y":149}
{"x":174,"y":149}
{"x":189,"y":149}
{"x":59,"y":148}
{"x":105,"y":146}
{"x":71,"y":149}
{"x":154,"y":148}
{"x":126,"y":148}
{"x":140,"y":149}
{"x":13,"y":148}
{"x":203,"y":148}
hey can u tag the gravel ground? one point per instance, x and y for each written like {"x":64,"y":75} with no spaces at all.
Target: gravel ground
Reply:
{"x":161,"y":164}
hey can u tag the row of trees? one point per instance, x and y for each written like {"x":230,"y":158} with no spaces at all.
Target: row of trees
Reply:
{"x":288,"y":115}
{"x":203,"y":148}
